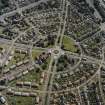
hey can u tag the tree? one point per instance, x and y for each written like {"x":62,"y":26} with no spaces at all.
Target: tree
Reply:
{"x":92,"y":10}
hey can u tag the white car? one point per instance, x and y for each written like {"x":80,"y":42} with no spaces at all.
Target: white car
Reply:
{"x":2,"y":99}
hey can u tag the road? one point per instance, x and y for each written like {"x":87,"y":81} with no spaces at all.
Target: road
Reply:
{"x":49,"y":75}
{"x":16,"y":71}
{"x":59,"y":36}
{"x":47,"y":89}
{"x":99,"y":75}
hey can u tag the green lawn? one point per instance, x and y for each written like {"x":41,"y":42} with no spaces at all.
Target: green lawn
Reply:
{"x":30,"y":77}
{"x":12,"y":83}
{"x":46,"y":64}
{"x":69,"y":44}
{"x":2,"y":46}
{"x":17,"y":57}
{"x":11,"y":62}
{"x":19,"y":100}
{"x":1,"y":30}
{"x":36,"y":53}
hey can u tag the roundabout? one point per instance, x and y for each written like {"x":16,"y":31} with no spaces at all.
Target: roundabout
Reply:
{"x":57,"y":52}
